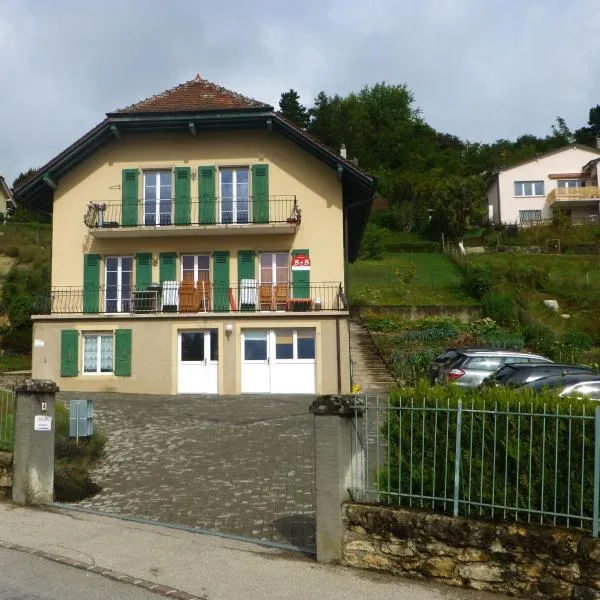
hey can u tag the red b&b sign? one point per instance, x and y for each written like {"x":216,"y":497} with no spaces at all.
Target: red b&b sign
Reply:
{"x":300,"y":262}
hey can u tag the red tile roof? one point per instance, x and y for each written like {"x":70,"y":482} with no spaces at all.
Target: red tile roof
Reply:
{"x":194,"y":96}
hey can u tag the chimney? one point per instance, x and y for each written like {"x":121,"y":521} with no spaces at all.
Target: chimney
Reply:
{"x":343,"y":152}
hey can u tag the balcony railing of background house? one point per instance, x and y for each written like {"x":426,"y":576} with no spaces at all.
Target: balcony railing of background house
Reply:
{"x":211,"y":211}
{"x":189,"y":297}
{"x":574,"y":193}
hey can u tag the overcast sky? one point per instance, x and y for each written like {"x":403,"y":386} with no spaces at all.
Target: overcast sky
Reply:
{"x":479,"y":69}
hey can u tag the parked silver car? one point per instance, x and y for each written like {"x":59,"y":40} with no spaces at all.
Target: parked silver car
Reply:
{"x":468,"y":367}
{"x":580,"y":385}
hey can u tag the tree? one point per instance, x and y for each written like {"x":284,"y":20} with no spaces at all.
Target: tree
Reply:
{"x":458,"y":203}
{"x":589,"y":135}
{"x":291,"y":109}
{"x":23,"y":177}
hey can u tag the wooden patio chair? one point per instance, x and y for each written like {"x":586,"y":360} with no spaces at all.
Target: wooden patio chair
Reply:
{"x":189,"y":300}
{"x":266,"y":296}
{"x":281,"y":296}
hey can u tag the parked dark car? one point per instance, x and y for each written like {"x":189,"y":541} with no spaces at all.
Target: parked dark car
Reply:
{"x":468,"y":367}
{"x":580,"y":384}
{"x":516,"y":374}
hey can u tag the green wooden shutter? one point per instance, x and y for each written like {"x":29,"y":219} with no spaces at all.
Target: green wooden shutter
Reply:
{"x":168,"y":266}
{"x":260,"y":193}
{"x":207,"y":195}
{"x":221,"y":280}
{"x":182,"y":195}
{"x":300,"y":279}
{"x":129,"y":198}
{"x":123,"y":352}
{"x":91,"y":283}
{"x":143,"y":270}
{"x":246,"y":270}
{"x":69,"y":346}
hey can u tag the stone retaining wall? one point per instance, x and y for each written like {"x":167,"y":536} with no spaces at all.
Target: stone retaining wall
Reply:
{"x":412,"y":313}
{"x":5,"y":474}
{"x":515,"y":559}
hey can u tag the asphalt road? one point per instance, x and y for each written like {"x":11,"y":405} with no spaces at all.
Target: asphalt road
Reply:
{"x":27,"y":577}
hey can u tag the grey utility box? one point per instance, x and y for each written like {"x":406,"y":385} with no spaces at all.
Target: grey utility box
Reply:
{"x":80,"y":418}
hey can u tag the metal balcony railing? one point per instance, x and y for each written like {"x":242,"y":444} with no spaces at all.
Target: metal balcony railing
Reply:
{"x":195,"y":297}
{"x":209,"y":211}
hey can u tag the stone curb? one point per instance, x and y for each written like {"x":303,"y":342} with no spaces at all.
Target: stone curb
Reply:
{"x":151,"y":586}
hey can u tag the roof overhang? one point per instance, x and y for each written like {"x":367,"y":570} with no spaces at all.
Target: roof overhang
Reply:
{"x":357,"y":186}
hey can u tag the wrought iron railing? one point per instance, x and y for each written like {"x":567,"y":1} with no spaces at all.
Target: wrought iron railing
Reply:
{"x":7,"y":421}
{"x":249,"y":210}
{"x":518,"y":463}
{"x":194,"y":297}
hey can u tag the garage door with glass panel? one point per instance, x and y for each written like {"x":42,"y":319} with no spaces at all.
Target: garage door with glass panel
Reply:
{"x":198,"y":358}
{"x":279,"y":361}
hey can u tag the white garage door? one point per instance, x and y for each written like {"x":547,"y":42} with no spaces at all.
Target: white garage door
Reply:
{"x":278,"y":361}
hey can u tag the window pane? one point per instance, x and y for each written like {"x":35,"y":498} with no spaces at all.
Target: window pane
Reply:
{"x":192,"y":346}
{"x":484,"y":363}
{"x":539,"y":188}
{"x":284,"y":344}
{"x":187,"y":261}
{"x":203,"y":262}
{"x":518,"y":188}
{"x":306,"y":343}
{"x":90,"y":353}
{"x":226,"y":176}
{"x":255,"y":345}
{"x":242,"y":177}
{"x":106,"y":353}
{"x":150,"y":193}
{"x":281,"y":259}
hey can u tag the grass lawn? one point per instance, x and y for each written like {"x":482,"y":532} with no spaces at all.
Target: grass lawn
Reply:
{"x":414,"y":279}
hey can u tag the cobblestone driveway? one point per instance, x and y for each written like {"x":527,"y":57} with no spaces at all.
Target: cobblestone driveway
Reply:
{"x":241,"y":465}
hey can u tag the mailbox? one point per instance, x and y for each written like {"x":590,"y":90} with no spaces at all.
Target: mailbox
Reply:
{"x":80,"y":418}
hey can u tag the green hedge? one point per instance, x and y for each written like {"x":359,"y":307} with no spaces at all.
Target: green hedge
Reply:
{"x":536,"y":463}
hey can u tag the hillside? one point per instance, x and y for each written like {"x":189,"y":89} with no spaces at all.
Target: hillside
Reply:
{"x":25,"y":250}
{"x":510,"y":289}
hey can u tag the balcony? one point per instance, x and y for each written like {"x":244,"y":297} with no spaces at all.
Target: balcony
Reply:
{"x":177,"y":297}
{"x":204,"y":216}
{"x":574,"y":194}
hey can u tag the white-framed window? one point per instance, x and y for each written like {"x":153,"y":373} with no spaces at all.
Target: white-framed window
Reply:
{"x":195,"y":267}
{"x":235,"y":200}
{"x":530,"y":216}
{"x":98,"y":353}
{"x":529,"y":188}
{"x":118,"y":280}
{"x":570,"y":183}
{"x":274,"y":268}
{"x":158,"y":195}
{"x":294,"y":344}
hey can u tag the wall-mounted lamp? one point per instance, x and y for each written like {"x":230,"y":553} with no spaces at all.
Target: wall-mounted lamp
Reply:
{"x":228,"y":330}
{"x":155,"y":261}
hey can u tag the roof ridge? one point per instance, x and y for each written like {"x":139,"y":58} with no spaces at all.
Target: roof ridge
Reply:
{"x":209,"y":94}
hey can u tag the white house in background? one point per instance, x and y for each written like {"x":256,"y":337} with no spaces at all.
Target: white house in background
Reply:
{"x":6,"y":197}
{"x":526,"y":193}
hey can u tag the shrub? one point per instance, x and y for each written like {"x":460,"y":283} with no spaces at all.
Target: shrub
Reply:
{"x":502,"y":308}
{"x":479,"y":281}
{"x":11,"y":251}
{"x":496,"y":465}
{"x":540,"y":338}
{"x":372,"y":246}
{"x":578,"y":339}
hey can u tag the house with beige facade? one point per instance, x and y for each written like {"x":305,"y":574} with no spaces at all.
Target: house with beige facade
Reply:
{"x":528,"y":192}
{"x":200,"y":243}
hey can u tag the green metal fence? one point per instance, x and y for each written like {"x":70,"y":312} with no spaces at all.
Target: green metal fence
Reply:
{"x":517,"y":463}
{"x":7,"y":411}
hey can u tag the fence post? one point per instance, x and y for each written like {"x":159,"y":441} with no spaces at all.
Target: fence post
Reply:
{"x":457,"y":457}
{"x":334,"y":416}
{"x":33,"y":454}
{"x":596,"y":504}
